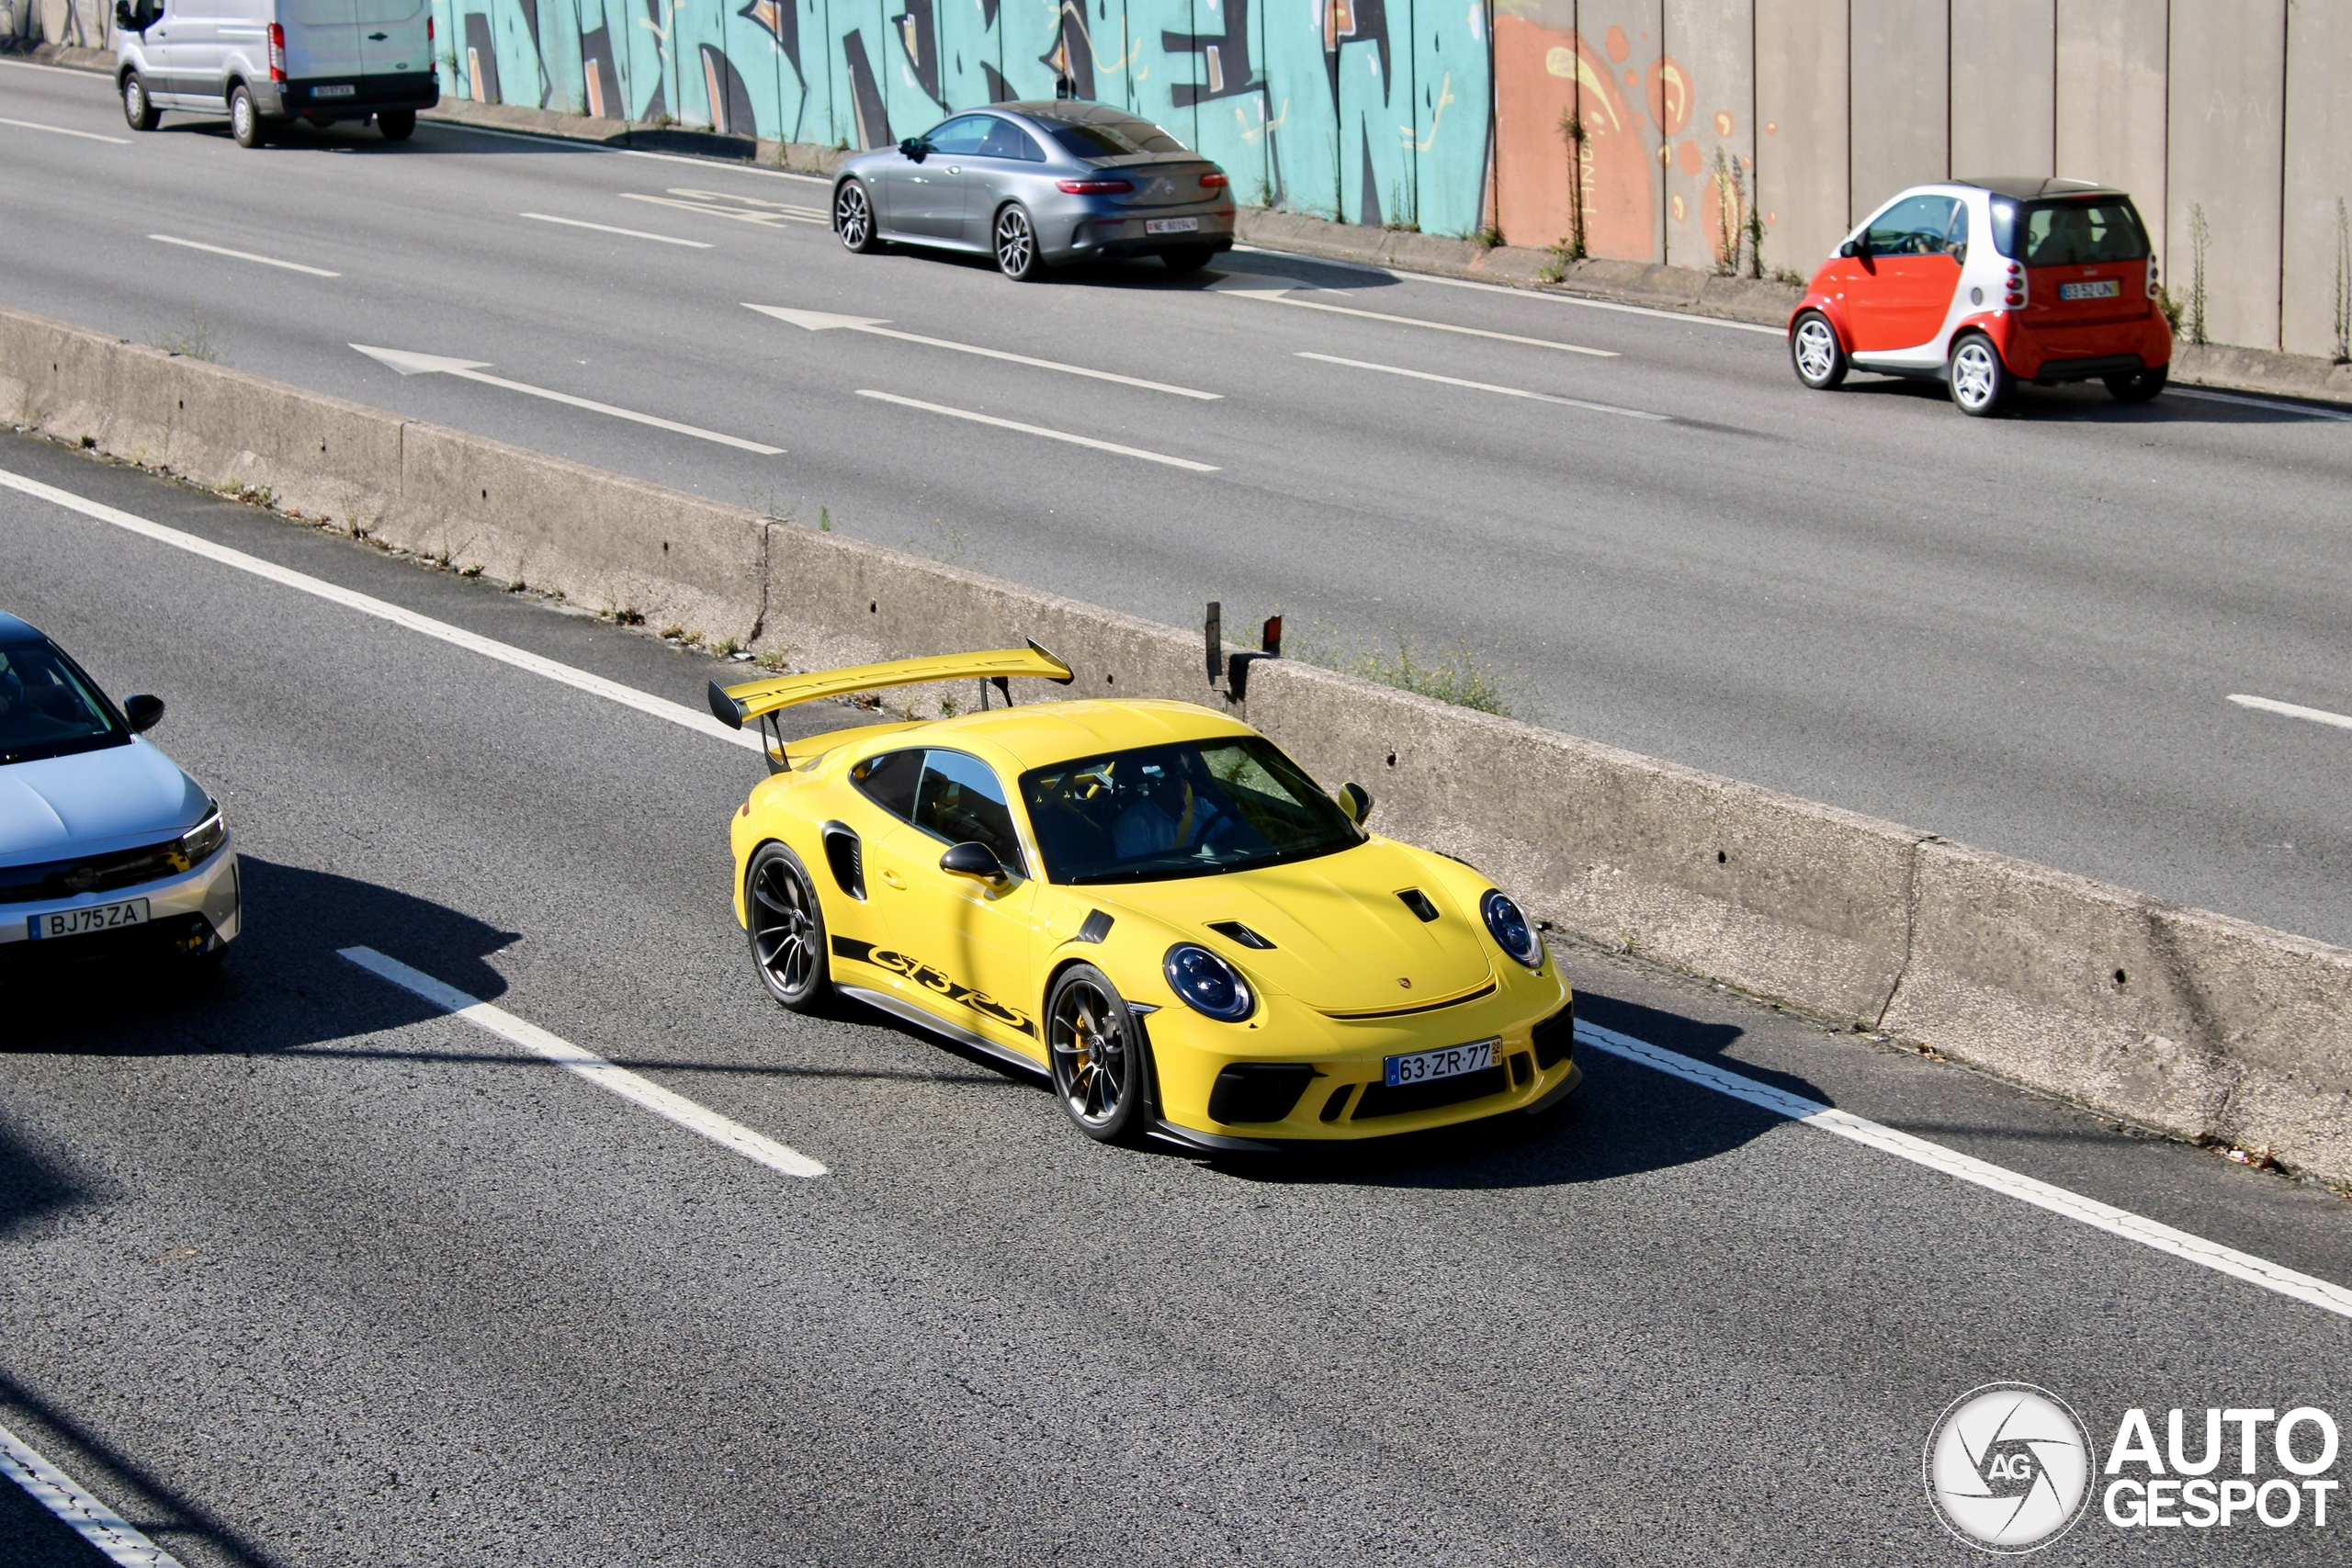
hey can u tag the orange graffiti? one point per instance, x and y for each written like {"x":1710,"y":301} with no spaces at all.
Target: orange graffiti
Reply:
{"x":1723,"y":122}
{"x":1670,"y":95}
{"x":1688,"y":156}
{"x":1615,"y":41}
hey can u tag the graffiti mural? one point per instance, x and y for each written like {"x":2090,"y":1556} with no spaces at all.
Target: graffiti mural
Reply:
{"x":1374,"y":111}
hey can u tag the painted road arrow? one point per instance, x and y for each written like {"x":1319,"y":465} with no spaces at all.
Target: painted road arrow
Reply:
{"x":408,"y":364}
{"x":820,"y":320}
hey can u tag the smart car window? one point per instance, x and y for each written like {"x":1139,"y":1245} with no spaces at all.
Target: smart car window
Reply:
{"x":962,"y":134}
{"x":961,"y":802}
{"x":2079,"y":233}
{"x":888,"y":781}
{"x":48,"y":709}
{"x":1006,"y":140}
{"x":1163,"y":812}
{"x":1913,"y":227}
{"x":1956,"y":233}
{"x":1115,"y":137}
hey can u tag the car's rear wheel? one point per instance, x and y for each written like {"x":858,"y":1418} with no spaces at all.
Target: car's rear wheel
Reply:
{"x":136,"y":108}
{"x":398,"y":125}
{"x":854,"y":219}
{"x":1980,"y":383}
{"x":1187,"y":258}
{"x":1015,"y":244}
{"x":2140,"y":385}
{"x":1815,"y":351}
{"x":244,"y":117}
{"x":1101,"y":1066}
{"x":787,"y":926}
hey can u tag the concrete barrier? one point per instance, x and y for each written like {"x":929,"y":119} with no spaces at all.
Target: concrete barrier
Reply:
{"x":2177,"y":1019}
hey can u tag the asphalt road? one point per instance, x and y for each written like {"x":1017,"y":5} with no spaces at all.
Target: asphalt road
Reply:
{"x":2020,"y":634}
{"x":296,"y":1270}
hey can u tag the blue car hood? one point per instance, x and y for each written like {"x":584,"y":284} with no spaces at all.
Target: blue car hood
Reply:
{"x":114,"y":798}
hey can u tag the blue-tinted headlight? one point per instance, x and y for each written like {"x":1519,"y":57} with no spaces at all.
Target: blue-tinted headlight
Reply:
{"x":1208,"y":984}
{"x":1513,"y":931}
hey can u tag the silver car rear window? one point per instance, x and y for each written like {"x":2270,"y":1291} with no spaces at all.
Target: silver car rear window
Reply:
{"x":1113,"y":137}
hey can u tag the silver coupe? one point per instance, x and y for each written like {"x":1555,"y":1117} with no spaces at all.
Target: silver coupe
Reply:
{"x":1039,"y":184}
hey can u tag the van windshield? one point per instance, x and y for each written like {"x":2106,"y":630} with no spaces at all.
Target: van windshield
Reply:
{"x":2078,"y":232}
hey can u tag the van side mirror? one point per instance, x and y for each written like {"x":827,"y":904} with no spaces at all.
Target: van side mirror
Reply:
{"x":143,"y":712}
{"x":975,"y":861}
{"x":1355,"y":800}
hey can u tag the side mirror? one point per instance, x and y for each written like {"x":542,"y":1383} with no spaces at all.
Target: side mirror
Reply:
{"x":1355,"y":800}
{"x":123,"y":16}
{"x":143,"y":712}
{"x":975,"y":861}
{"x":914,"y":147}
{"x":1851,"y":249}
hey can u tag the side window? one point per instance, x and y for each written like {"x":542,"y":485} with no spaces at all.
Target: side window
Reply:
{"x":1914,"y":227}
{"x":888,"y":781}
{"x":962,"y":134}
{"x":1006,"y":140}
{"x":1956,"y":235}
{"x":961,"y":802}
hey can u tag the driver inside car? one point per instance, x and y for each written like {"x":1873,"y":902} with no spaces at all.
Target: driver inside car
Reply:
{"x":1171,"y":815}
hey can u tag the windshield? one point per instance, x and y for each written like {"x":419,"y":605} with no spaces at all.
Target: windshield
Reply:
{"x":1115,"y":137}
{"x":2069,"y":233}
{"x":1171,"y":811}
{"x":47,"y":707}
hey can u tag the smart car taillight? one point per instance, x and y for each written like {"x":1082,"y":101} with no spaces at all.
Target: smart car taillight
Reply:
{"x":1091,"y":187}
{"x":1214,"y":179}
{"x":2155,"y":278}
{"x":277,"y":53}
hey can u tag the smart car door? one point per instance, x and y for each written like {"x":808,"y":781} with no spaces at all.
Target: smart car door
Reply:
{"x":1912,"y":277}
{"x":1008,"y":158}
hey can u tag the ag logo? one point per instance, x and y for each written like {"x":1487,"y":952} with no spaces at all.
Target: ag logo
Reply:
{"x":2008,"y":1467}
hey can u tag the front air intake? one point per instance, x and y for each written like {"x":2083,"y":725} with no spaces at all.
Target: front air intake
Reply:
{"x":1258,"y":1091}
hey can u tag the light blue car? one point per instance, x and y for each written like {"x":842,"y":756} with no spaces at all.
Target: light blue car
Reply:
{"x":107,"y":849}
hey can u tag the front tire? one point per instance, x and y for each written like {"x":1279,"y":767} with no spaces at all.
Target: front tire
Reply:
{"x":244,"y":120}
{"x":138,"y":108}
{"x":854,"y":219}
{"x":398,"y":125}
{"x":1815,"y":353}
{"x":1015,"y":241}
{"x":786,"y":928}
{"x":2139,"y":387}
{"x":1101,"y":1062}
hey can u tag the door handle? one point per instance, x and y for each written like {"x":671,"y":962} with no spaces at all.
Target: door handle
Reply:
{"x":377,"y":38}
{"x":953,"y":170}
{"x":892,"y":878}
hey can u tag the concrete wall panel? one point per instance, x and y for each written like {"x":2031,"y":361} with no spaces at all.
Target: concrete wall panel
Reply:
{"x":1624,"y":90}
{"x":2225,"y":145}
{"x":2319,"y":170}
{"x":2111,"y":121}
{"x":1802,"y":174}
{"x":2004,"y":88}
{"x":1901,"y":86}
{"x":1710,"y":50}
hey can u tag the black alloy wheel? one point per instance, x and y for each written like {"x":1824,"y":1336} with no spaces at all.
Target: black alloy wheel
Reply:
{"x":786,"y":927}
{"x":1815,"y":351}
{"x":1101,"y":1064}
{"x":244,"y":120}
{"x":136,"y":108}
{"x":1187,"y":258}
{"x":2139,"y":387}
{"x":398,"y":125}
{"x":854,"y":219}
{"x":1017,"y":256}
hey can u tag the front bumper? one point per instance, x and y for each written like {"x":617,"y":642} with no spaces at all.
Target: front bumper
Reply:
{"x":197,"y":912}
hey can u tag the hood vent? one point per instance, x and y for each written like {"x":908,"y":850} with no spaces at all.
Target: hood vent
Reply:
{"x":1419,"y":902}
{"x":1235,"y":932}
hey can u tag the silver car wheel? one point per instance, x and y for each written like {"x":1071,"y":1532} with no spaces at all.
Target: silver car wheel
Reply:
{"x":1816,"y":350}
{"x":1016,"y":244}
{"x":854,"y":216}
{"x":1974,"y":376}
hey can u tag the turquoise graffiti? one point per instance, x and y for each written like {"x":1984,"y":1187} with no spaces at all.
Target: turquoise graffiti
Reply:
{"x":1370,"y":111}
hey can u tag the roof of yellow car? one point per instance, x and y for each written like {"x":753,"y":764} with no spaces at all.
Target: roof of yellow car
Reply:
{"x":1039,"y":734}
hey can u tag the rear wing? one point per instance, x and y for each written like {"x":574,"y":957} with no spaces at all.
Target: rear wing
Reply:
{"x":735,"y":705}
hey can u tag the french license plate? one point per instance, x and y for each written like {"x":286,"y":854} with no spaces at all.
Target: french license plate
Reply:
{"x":1428,"y":1067}
{"x":2105,"y":288}
{"x":344,"y":91}
{"x":82,"y":922}
{"x":1171,"y":225}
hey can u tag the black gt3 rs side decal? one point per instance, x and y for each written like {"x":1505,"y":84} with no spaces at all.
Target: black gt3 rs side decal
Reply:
{"x":933,"y":979}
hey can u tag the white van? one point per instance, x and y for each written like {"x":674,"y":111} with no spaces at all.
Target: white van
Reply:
{"x":261,"y":61}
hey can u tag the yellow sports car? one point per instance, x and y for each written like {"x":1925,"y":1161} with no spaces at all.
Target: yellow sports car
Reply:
{"x":1145,"y":902}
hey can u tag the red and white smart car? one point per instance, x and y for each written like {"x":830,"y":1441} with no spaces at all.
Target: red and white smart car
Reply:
{"x":1988,"y":283}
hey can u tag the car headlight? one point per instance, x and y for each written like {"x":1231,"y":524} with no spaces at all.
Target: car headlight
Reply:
{"x":196,"y":845}
{"x":1512,"y":931}
{"x":1208,"y":984}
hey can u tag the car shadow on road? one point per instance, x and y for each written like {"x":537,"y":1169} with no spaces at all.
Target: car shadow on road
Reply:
{"x":2089,"y":404}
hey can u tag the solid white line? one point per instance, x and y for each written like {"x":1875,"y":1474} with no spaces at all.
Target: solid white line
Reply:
{"x":2269,"y":704}
{"x":1486,"y":387}
{"x":695,"y":719}
{"x":775,"y":211}
{"x":876,"y":329}
{"x":2117,"y":1222}
{"x":572,"y":143}
{"x":245,"y":255}
{"x":1041,"y":429}
{"x":2204,"y":396}
{"x":43,"y":65}
{"x":630,"y":414}
{"x":720,"y":163}
{"x":1277,"y":297}
{"x":638,"y":1090}
{"x":61,"y":131}
{"x":608,"y":229}
{"x":96,"y":1523}
{"x":1548,"y":296}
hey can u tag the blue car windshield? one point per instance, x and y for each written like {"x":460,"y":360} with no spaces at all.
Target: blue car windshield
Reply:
{"x":1196,"y":809}
{"x":47,"y":707}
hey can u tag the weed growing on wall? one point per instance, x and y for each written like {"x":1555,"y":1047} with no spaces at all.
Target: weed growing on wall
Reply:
{"x":1572,"y":131}
{"x":2200,"y":234}
{"x":194,"y":338}
{"x":1452,"y":675}
{"x":2343,"y":284}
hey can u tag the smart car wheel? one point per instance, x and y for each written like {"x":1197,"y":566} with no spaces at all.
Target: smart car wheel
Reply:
{"x":1980,"y":383}
{"x":854,"y":219}
{"x":136,"y":108}
{"x":1814,"y":349}
{"x":1100,"y":1062}
{"x":2140,"y":385}
{"x":244,"y":120}
{"x":398,"y":125}
{"x":787,"y":926}
{"x":1016,"y":245}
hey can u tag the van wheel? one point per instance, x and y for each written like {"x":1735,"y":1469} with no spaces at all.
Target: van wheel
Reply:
{"x":1980,"y":383}
{"x":136,"y":108}
{"x":1813,"y":350}
{"x":398,"y":125}
{"x":2140,"y":385}
{"x":244,"y":120}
